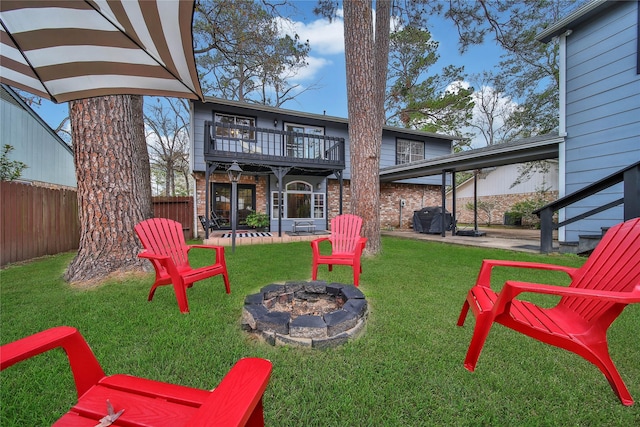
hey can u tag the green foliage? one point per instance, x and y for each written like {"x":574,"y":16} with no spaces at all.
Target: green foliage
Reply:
{"x":10,"y":169}
{"x":529,"y":69}
{"x":485,"y":205}
{"x":418,"y":98}
{"x":242,"y":54}
{"x":404,"y":370}
{"x":258,"y":220}
{"x":524,"y":209}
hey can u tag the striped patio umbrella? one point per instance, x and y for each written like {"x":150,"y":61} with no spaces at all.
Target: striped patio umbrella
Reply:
{"x":66,"y":50}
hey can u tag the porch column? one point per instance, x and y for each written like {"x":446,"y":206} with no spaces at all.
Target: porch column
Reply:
{"x":454,"y":220}
{"x":338,"y":173}
{"x":280,"y":172}
{"x":443,"y":193}
{"x":211,"y":167}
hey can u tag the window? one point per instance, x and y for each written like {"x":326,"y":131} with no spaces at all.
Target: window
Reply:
{"x":299,"y":202}
{"x":230,"y":121}
{"x":409,"y":151}
{"x":304,"y":146}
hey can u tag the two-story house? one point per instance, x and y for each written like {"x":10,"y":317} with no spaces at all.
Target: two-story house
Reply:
{"x":296,"y":165}
{"x":599,"y":107}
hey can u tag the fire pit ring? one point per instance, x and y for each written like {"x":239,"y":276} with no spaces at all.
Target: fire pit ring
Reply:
{"x":308,"y":314}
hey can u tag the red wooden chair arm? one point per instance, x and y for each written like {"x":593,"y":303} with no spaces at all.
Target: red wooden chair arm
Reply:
{"x":84,"y":365}
{"x":512,"y":289}
{"x":362,"y":243}
{"x":165,"y":261}
{"x":237,"y":400}
{"x":315,"y":244}
{"x":484,"y":276}
{"x":219,"y":251}
{"x":148,"y":255}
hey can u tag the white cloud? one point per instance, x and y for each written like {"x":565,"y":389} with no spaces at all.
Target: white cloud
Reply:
{"x":325,"y":37}
{"x":311,"y":71}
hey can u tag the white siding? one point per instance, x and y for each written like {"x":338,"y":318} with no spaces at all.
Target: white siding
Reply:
{"x":47,"y":157}
{"x":498,"y":182}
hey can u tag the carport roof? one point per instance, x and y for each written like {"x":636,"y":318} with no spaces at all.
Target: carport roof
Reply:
{"x":524,"y":150}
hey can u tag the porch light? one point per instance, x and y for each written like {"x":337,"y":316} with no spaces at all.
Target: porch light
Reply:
{"x":275,"y":123}
{"x":234,"y":172}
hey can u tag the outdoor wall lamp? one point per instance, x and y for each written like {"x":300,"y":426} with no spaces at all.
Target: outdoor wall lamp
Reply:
{"x":234,"y":173}
{"x":275,"y":123}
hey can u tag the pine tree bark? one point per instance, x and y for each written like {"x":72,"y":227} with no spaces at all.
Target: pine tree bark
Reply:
{"x":366,"y":60}
{"x":112,"y":199}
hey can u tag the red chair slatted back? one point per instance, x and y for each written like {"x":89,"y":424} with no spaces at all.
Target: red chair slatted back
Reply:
{"x":164,"y":237}
{"x":613,"y":266}
{"x":345,"y":233}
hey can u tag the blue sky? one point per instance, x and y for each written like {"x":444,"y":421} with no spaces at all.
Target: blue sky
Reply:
{"x":327,"y":66}
{"x":326,"y":70}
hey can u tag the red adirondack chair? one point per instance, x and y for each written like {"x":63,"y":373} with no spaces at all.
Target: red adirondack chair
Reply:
{"x":165,"y":247}
{"x":599,"y":291}
{"x":346,"y":246}
{"x":124,"y":400}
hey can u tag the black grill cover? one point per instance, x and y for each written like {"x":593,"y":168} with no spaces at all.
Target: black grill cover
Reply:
{"x":429,"y":220}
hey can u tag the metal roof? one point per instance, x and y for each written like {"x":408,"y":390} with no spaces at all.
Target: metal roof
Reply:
{"x":525,"y":150}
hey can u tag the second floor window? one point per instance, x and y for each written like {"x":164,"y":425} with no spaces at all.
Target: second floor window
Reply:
{"x":307,"y":146}
{"x":230,"y":126}
{"x":408,"y":151}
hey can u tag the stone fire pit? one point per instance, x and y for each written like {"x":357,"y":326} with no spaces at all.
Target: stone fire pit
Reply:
{"x":310,"y":314}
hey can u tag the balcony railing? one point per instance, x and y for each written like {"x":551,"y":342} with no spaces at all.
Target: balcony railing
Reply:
{"x":224,"y":142}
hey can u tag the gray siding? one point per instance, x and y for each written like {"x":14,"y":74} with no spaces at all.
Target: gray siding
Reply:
{"x":204,"y":111}
{"x":603,"y":110}
{"x":48,"y":158}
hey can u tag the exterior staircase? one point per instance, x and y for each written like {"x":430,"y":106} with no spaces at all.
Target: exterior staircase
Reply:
{"x":585,"y":245}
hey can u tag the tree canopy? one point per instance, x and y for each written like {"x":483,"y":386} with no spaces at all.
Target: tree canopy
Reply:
{"x":243,"y":54}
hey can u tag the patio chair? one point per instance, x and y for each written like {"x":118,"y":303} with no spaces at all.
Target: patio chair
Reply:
{"x":213,"y":221}
{"x":346,"y":246}
{"x":132,"y":401}
{"x":165,"y":247}
{"x":599,"y":291}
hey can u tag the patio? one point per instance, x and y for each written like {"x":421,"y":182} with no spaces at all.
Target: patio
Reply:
{"x":405,"y":368}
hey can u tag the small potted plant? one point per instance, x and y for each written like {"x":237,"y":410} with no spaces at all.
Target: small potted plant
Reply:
{"x":258,"y":220}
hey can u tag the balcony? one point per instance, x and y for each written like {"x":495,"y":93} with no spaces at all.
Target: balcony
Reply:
{"x":260,"y":149}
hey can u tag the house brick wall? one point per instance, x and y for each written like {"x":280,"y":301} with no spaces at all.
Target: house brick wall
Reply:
{"x":416,"y":196}
{"x":392,"y":216}
{"x":500,"y":205}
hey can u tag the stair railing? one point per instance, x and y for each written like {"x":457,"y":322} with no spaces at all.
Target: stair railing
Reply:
{"x":629,"y":176}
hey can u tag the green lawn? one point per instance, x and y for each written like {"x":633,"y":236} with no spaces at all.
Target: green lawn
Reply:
{"x":404,"y":370}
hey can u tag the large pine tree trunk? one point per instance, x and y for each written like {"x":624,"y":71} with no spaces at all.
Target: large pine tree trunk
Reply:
{"x":366,"y":81}
{"x":112,"y":197}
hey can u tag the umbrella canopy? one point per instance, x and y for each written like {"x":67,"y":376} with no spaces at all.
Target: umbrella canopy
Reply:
{"x":66,"y":50}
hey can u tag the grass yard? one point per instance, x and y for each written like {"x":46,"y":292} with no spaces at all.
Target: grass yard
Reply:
{"x":404,"y":370}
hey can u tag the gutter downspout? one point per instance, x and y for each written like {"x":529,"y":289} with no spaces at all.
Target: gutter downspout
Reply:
{"x":562,"y":128}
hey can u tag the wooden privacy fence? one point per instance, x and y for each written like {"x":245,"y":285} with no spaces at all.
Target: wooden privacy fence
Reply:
{"x":176,"y":208}
{"x":36,"y":221}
